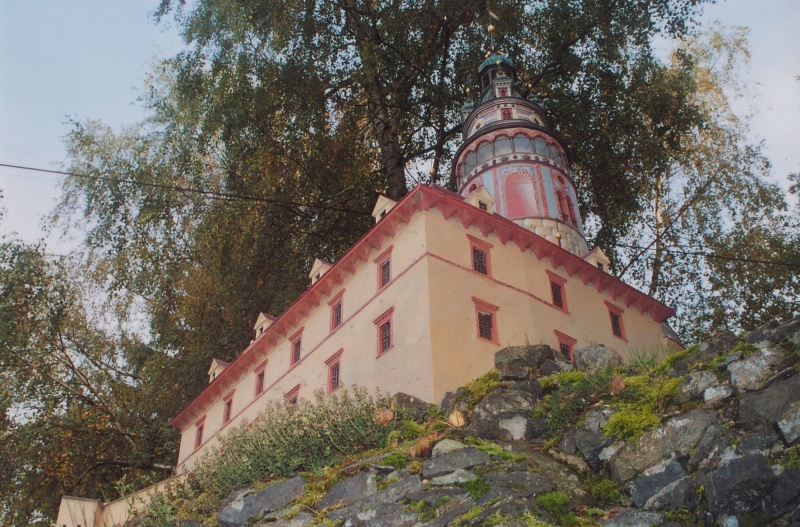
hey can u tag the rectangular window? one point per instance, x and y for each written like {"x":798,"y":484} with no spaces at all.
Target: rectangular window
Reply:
{"x":198,"y":432}
{"x":385,"y":337}
{"x":227,"y":412}
{"x":480,"y":255}
{"x":483,"y":206}
{"x":334,"y":371}
{"x":336,"y":310}
{"x":296,"y":347}
{"x":558,"y":292}
{"x":485,"y":325}
{"x":384,"y":263}
{"x":260,"y":372}
{"x":566,"y":345}
{"x":615,"y":317}
{"x":293,"y":395}
{"x":486,"y":319}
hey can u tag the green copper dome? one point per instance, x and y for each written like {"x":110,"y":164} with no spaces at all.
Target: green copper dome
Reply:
{"x":493,"y":59}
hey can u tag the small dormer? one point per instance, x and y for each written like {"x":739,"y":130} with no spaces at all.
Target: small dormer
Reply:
{"x":217,"y":367}
{"x":598,"y":258}
{"x":319,"y":268}
{"x":481,"y":199}
{"x":382,"y":208}
{"x":502,"y":85}
{"x":262,"y":323}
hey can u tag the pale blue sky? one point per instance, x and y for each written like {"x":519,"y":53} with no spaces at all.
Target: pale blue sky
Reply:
{"x":89,"y":59}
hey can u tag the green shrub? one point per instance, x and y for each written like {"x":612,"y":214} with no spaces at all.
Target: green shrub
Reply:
{"x":605,"y":490}
{"x":480,"y":387}
{"x":630,"y":422}
{"x":573,"y":393}
{"x":397,"y":459}
{"x":477,"y":487}
{"x":320,"y":434}
{"x":493,"y":449}
{"x":553,"y":502}
{"x":670,"y":360}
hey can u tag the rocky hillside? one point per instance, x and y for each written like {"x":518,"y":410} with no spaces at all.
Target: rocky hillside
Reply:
{"x":709,"y":437}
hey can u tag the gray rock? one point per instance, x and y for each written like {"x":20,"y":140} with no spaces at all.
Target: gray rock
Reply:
{"x":589,"y":438}
{"x":740,"y":486}
{"x":445,"y":446}
{"x":242,"y":505}
{"x":451,"y":514}
{"x":393,"y":516}
{"x":709,"y":449}
{"x":695,"y":384}
{"x":752,"y":372}
{"x":776,"y":332}
{"x":519,"y":362}
{"x":764,"y":332}
{"x":396,"y":490}
{"x":549,"y":367}
{"x":521,"y":484}
{"x":729,"y":521}
{"x":457,"y":477}
{"x":452,"y":401}
{"x":785,"y":496}
{"x":501,"y":404}
{"x":412,"y":406}
{"x":680,"y":493}
{"x":653,"y":482}
{"x":434,"y":496}
{"x":761,"y":439}
{"x":302,"y":519}
{"x":717,"y":395}
{"x":569,"y":443}
{"x":597,"y":357}
{"x":516,"y":428}
{"x":633,"y":518}
{"x":464,"y":458}
{"x":729,"y":359}
{"x":768,"y":405}
{"x":675,"y":438}
{"x":510,"y":508}
{"x":706,"y":352}
{"x":350,"y":490}
{"x":789,"y":425}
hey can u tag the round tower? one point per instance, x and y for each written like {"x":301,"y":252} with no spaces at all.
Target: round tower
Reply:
{"x":513,"y":159}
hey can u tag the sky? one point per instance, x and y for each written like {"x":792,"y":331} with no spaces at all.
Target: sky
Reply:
{"x":89,"y":59}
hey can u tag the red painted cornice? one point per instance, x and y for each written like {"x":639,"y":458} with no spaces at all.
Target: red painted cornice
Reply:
{"x":422,"y":198}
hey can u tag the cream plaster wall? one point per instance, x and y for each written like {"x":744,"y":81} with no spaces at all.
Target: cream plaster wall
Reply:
{"x":405,"y":367}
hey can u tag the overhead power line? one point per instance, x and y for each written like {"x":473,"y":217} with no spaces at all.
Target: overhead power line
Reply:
{"x":210,"y":193}
{"x":712,"y":255}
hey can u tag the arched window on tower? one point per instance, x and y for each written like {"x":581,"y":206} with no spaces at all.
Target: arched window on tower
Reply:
{"x":506,"y":114}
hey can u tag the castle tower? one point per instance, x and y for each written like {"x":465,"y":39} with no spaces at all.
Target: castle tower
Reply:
{"x":513,"y":163}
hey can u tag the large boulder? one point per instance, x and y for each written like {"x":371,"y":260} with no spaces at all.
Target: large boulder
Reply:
{"x":589,"y":438}
{"x":242,"y":505}
{"x":666,"y":486}
{"x":706,"y":352}
{"x":768,"y":405}
{"x":776,"y":332}
{"x":522,"y":362}
{"x":785,"y":495}
{"x":789,"y":425}
{"x":350,"y":490}
{"x":675,"y":438}
{"x":414,"y":407}
{"x":710,"y":448}
{"x":464,"y":458}
{"x":505,"y":414}
{"x":740,"y":486}
{"x":752,"y":372}
{"x":694,"y":386}
{"x":597,"y":357}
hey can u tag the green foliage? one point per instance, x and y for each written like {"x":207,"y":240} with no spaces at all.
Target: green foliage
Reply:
{"x":424,"y":510}
{"x":553,"y":502}
{"x":745,"y":347}
{"x":681,"y":516}
{"x":561,"y":378}
{"x":491,"y":448}
{"x":790,"y":458}
{"x":480,"y":387}
{"x":605,"y":490}
{"x":332,"y":428}
{"x":670,"y":360}
{"x":397,"y":459}
{"x":755,"y":519}
{"x":477,"y":487}
{"x":532,"y":521}
{"x":630,"y":422}
{"x":572,"y":396}
{"x":469,"y":515}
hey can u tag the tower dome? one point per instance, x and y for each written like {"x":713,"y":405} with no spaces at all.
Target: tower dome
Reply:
{"x":511,"y":153}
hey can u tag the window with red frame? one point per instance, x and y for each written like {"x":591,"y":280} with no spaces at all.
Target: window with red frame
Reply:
{"x":384,"y":264}
{"x":227,"y":413}
{"x":615,"y":317}
{"x":558,"y":293}
{"x":480,"y":255}
{"x":260,"y":372}
{"x":336,"y":310}
{"x":296,"y":347}
{"x":293,"y":395}
{"x":486,"y":319}
{"x":506,"y":114}
{"x":566,"y":345}
{"x":334,"y":371}
{"x":384,"y":325}
{"x":198,"y":432}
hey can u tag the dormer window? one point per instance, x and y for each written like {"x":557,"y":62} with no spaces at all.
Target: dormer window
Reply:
{"x":482,"y":205}
{"x":503,"y":92}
